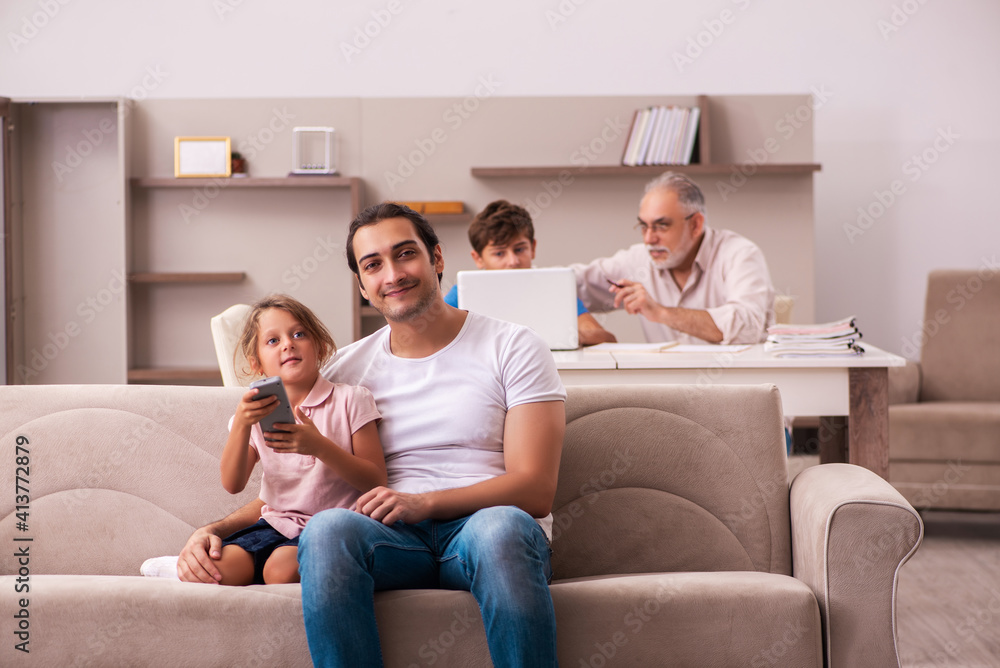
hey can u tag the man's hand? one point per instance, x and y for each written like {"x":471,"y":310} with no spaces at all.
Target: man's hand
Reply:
{"x":387,"y":506}
{"x":197,"y":560}
{"x":634,"y":298}
{"x":695,"y":322}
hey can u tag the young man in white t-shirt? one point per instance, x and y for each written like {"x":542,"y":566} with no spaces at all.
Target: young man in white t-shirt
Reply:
{"x":473,"y":422}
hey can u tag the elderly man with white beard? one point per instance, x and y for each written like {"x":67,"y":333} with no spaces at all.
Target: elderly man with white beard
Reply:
{"x":687,"y":282}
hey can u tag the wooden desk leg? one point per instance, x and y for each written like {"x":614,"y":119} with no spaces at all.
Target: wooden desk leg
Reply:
{"x":868,"y":426}
{"x":833,"y":440}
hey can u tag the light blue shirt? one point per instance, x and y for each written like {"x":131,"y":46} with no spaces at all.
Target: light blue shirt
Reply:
{"x":451,"y":299}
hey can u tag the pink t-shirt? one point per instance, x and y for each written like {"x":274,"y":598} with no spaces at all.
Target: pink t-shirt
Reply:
{"x":295,"y":487}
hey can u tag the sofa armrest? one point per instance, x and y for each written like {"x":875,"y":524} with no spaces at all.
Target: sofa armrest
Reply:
{"x":904,"y":383}
{"x":851,"y":532}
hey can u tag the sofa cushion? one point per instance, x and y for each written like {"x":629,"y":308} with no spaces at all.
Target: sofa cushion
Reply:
{"x":643,"y":620}
{"x":929,"y":431}
{"x":671,"y":619}
{"x":146,"y":456}
{"x":132,"y":621}
{"x":960,"y":356}
{"x":684,"y":484}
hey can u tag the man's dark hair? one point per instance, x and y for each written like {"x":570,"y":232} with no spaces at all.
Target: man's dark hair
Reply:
{"x":376,"y":213}
{"x":499,"y":223}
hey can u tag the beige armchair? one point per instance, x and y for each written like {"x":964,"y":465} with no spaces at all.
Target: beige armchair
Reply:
{"x":944,"y":413}
{"x":226,"y":328}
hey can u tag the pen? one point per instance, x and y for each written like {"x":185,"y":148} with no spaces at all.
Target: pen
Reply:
{"x":617,"y":285}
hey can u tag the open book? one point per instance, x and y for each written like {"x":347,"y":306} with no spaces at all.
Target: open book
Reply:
{"x":668,"y":347}
{"x":630,"y":347}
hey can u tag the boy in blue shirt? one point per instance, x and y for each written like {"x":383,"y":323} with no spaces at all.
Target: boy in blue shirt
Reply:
{"x":503,"y":237}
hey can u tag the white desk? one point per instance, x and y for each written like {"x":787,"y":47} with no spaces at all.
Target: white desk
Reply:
{"x":850,"y":394}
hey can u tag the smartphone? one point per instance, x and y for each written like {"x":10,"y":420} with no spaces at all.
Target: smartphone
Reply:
{"x":269,"y":387}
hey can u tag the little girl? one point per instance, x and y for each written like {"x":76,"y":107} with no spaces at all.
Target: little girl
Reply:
{"x":326,"y":460}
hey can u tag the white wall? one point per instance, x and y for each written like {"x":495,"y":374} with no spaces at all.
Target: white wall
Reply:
{"x":895,"y":79}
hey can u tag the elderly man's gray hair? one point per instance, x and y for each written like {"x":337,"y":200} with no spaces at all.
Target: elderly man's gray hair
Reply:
{"x":688,"y":193}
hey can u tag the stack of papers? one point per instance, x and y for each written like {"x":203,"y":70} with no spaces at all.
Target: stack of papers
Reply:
{"x":839,"y":338}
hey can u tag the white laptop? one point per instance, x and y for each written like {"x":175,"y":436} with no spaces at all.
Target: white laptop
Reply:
{"x":542,"y":299}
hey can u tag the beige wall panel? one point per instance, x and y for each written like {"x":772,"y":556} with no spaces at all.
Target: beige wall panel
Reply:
{"x":287,"y":240}
{"x":422,"y":149}
{"x":72,"y":310}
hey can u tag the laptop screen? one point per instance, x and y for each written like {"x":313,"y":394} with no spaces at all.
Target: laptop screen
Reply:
{"x":542,"y":299}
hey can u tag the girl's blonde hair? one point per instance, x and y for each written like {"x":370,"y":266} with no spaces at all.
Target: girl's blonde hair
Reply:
{"x":249,"y":338}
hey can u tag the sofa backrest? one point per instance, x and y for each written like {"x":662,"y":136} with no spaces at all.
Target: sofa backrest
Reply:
{"x":672,"y":478}
{"x":652,"y":478}
{"x":117,"y":473}
{"x":960,"y":356}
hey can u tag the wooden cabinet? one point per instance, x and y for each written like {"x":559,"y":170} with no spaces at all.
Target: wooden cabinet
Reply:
{"x":198,"y":246}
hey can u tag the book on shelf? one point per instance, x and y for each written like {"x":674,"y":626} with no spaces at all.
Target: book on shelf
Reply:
{"x":662,"y":135}
{"x":837,"y":338}
{"x":436,"y":208}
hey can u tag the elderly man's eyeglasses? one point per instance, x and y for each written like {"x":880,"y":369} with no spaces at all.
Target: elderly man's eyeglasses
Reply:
{"x":657,"y":227}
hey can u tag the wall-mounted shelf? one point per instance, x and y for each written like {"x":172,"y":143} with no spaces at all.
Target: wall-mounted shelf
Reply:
{"x":643,"y":170}
{"x":153,"y":358}
{"x":311,"y":181}
{"x":152,"y":277}
{"x":174,"y":375}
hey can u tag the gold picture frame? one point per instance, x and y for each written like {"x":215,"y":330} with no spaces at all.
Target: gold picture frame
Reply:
{"x":202,"y":157}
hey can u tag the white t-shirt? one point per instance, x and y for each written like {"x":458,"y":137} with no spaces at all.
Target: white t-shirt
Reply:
{"x":443,"y":415}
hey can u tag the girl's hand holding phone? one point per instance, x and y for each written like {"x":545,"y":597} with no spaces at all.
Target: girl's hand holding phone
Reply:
{"x":250,"y":410}
{"x":302,"y":438}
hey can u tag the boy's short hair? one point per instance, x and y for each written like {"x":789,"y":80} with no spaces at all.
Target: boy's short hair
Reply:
{"x":499,"y":223}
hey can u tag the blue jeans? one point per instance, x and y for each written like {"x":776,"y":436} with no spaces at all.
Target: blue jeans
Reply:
{"x":500,"y":554}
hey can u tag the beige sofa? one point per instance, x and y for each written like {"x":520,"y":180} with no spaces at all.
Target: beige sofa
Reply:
{"x":944,"y":413}
{"x":677,"y":540}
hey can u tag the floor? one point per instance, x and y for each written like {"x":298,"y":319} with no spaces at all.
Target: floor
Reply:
{"x":948,"y":594}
